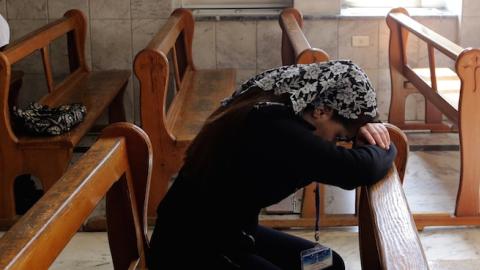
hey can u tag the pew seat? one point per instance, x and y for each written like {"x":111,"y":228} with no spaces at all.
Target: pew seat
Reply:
{"x":447,"y":83}
{"x":198,"y":100}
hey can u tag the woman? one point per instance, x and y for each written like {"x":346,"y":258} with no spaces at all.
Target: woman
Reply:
{"x":276,"y":134}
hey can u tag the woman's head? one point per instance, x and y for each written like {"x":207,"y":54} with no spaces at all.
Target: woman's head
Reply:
{"x":331,"y":126}
{"x":340,"y":88}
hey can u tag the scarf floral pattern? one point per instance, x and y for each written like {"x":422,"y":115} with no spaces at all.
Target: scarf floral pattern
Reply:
{"x":341,"y":85}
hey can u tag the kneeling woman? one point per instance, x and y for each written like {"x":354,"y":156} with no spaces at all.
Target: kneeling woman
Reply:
{"x":276,"y":134}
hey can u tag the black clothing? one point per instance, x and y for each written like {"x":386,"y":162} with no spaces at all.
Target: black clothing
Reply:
{"x":274,"y":250}
{"x":273,"y":154}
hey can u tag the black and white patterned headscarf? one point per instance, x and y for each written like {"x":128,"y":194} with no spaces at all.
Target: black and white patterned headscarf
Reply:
{"x":340,"y":85}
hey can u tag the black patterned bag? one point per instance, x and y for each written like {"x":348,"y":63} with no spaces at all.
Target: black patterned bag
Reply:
{"x":38,"y":119}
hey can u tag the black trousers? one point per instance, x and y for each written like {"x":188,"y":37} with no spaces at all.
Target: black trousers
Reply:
{"x":274,"y":250}
{"x":278,"y":250}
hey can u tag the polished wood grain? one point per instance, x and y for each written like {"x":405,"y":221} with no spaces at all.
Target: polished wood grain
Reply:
{"x":48,"y":157}
{"x":197,"y":93}
{"x":118,"y":165}
{"x":387,"y":232}
{"x":454,"y":93}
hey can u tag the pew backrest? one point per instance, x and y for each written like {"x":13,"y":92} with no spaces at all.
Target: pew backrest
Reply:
{"x":295,"y":47}
{"x":152,"y":67}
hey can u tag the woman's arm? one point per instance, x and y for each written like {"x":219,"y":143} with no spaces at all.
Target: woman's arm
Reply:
{"x":291,"y":144}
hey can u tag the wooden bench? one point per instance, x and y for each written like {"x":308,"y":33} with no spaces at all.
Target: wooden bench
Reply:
{"x":387,"y":232}
{"x":454,"y":93}
{"x":196,"y":94}
{"x":118,"y":166}
{"x":48,"y":157}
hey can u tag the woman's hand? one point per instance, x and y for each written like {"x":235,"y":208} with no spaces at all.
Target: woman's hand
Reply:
{"x":374,"y":133}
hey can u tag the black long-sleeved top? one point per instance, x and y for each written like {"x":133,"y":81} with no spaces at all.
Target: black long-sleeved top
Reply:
{"x":274,"y":153}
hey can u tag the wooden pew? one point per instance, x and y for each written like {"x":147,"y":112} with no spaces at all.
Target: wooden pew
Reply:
{"x":25,"y":154}
{"x":387,"y":232}
{"x":197,"y":93}
{"x":454,"y":93}
{"x":118,"y":166}
{"x":295,"y":46}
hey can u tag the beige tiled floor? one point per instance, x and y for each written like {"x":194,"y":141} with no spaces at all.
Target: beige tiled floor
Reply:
{"x":445,"y":248}
{"x":430,"y":185}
